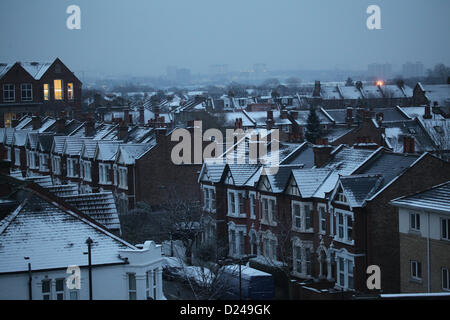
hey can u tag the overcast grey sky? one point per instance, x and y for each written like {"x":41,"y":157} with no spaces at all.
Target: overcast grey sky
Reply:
{"x":142,"y":37}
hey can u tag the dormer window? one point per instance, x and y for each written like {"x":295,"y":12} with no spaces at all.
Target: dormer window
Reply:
{"x":340,"y":197}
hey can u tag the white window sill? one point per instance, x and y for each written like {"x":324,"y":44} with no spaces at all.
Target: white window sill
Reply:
{"x":351,"y":243}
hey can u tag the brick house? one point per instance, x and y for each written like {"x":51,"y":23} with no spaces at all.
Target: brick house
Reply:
{"x":424,"y":226}
{"x":39,"y":88}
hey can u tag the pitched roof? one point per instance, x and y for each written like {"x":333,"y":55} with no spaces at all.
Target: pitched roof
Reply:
{"x":436,"y":198}
{"x":129,"y":153}
{"x":309,"y":180}
{"x":62,"y":190}
{"x":99,"y":206}
{"x":358,"y":188}
{"x":53,"y":237}
{"x":43,"y":181}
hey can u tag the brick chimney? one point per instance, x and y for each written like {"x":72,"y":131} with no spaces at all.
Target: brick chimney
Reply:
{"x":283,"y":114}
{"x":160,"y":135}
{"x":141,"y":115}
{"x":349,"y":117}
{"x":408,"y":144}
{"x":321,"y":154}
{"x":294,"y":115}
{"x":60,"y":125}
{"x":427,"y":114}
{"x":122,"y":131}
{"x":126,"y":116}
{"x":316,"y":92}
{"x":36,"y":122}
{"x":89,"y":127}
{"x":269,"y":121}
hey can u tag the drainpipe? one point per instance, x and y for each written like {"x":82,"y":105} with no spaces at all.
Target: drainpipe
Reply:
{"x":428,"y":255}
{"x":30,"y":279}
{"x":89,"y":243}
{"x":134,"y":180}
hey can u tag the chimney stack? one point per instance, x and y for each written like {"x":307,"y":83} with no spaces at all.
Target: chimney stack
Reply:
{"x":89,"y":127}
{"x":36,"y":122}
{"x":60,"y":125}
{"x":141,"y":115}
{"x":408,"y":144}
{"x":126,"y":116}
{"x":294,"y":115}
{"x":427,"y":114}
{"x":349,"y":117}
{"x":316,"y":92}
{"x":122,"y":131}
{"x":321,"y":154}
{"x":160,"y":135}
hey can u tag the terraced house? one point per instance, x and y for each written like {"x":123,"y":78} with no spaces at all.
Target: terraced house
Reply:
{"x":325,"y":220}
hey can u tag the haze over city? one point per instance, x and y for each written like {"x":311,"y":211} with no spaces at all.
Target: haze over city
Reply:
{"x":142,"y":38}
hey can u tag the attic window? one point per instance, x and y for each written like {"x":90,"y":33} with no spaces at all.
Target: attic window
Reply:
{"x":340,"y":197}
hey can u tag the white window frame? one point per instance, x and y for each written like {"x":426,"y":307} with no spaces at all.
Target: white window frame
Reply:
{"x":301,"y":264}
{"x":322,"y":210}
{"x":302,"y":217}
{"x":56,"y":164}
{"x":26,"y":88}
{"x":8,"y":153}
{"x":445,"y":284}
{"x":123,"y":177}
{"x":235,"y":244}
{"x":346,"y":217}
{"x":71,"y":166}
{"x":130,"y":289}
{"x":414,"y":221}
{"x":60,"y":292}
{"x":342,"y":277}
{"x":103,"y":173}
{"x":414,"y":270}
{"x":270,"y":245}
{"x":17,"y":156}
{"x":152,"y":284}
{"x":253,"y":204}
{"x":271,"y":210}
{"x":43,"y":162}
{"x":9,"y":92}
{"x":70,"y":91}
{"x":49,"y":293}
{"x":233,"y":200}
{"x":209,"y":198}
{"x":445,"y":229}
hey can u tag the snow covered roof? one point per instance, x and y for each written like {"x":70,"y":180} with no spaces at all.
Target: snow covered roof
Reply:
{"x":396,"y":131}
{"x":62,"y":190}
{"x":128,"y":153}
{"x":358,"y":188}
{"x":43,"y":181}
{"x":20,"y":137}
{"x":53,"y":237}
{"x":106,"y":150}
{"x":309,"y":180}
{"x":99,"y":206}
{"x":435,"y":199}
{"x":437,"y":92}
{"x":346,"y":159}
{"x":279,"y":180}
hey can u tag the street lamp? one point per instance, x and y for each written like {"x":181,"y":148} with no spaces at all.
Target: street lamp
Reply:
{"x":30,"y":279}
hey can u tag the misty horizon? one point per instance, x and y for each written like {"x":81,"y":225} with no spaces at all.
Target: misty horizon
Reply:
{"x":138,"y":38}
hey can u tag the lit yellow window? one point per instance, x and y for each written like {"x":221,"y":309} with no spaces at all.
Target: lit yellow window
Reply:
{"x":70,"y":91}
{"x":58,"y":89}
{"x":46,"y":92}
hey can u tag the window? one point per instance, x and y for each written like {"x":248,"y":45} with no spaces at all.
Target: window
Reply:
{"x":231,"y":203}
{"x":445,"y":279}
{"x":269,"y":215}
{"x":43,"y":162}
{"x":341,"y":197}
{"x":46,"y":92}
{"x":308,"y":217}
{"x":233,"y":242}
{"x":46,"y":289}
{"x":17,"y":157}
{"x":273,"y":248}
{"x":70,"y":91}
{"x":9,"y":93}
{"x":252,"y":205}
{"x":71,"y":168}
{"x":59,"y":289}
{"x":56,"y":165}
{"x":241,"y":203}
{"x":212,"y":199}
{"x":104,"y":176}
{"x":241,"y":243}
{"x":123,"y":177}
{"x":58,"y":89}
{"x":132,"y":286}
{"x":308,"y":261}
{"x":344,"y":227}
{"x":27,"y":91}
{"x":414,"y":221}
{"x":151,"y":284}
{"x":8,"y":153}
{"x":345,"y":272}
{"x":416,"y":270}
{"x":323,"y":219}
{"x":298,"y":259}
{"x":445,"y":229}
{"x":297,"y":217}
